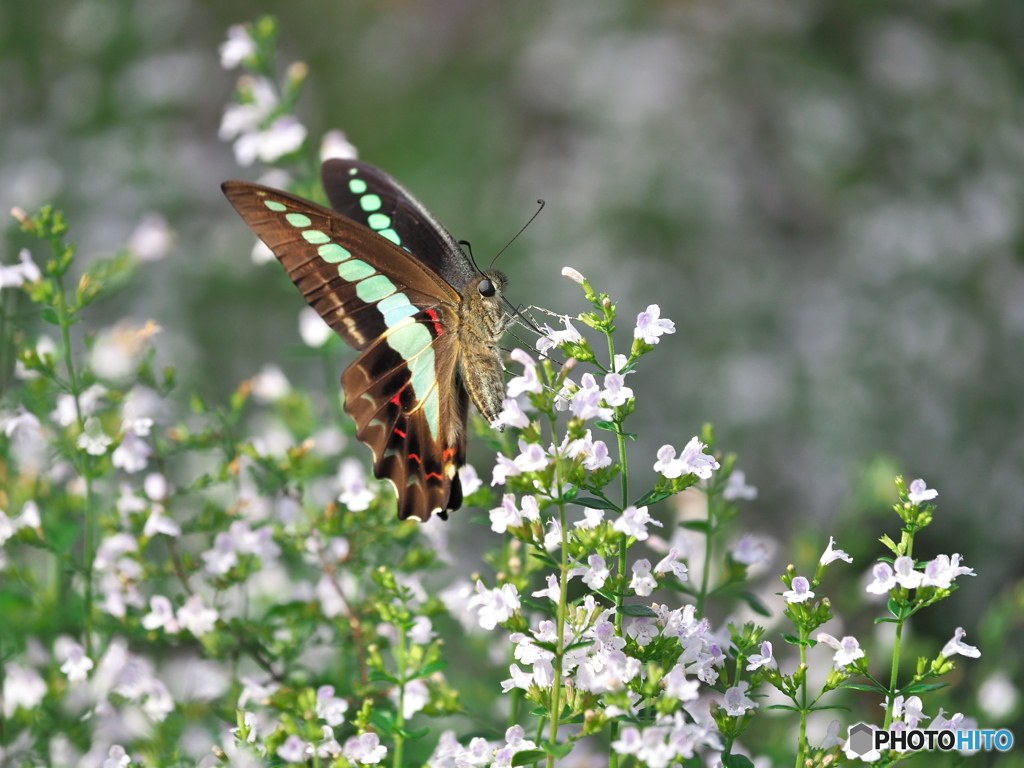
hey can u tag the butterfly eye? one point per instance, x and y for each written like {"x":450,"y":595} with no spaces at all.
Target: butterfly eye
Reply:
{"x":486,"y":287}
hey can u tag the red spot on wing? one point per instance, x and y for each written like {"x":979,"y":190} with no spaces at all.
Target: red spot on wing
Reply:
{"x":436,"y":320}
{"x":448,"y":453}
{"x":434,"y":474}
{"x":399,"y":432}
{"x":397,"y":399}
{"x":415,"y":458}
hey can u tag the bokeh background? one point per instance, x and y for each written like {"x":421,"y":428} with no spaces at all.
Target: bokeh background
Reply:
{"x":824,"y":196}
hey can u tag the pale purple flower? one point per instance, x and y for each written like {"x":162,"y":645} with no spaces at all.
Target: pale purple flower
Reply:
{"x":736,"y":700}
{"x":643,"y":630}
{"x":955,"y":646}
{"x":907,"y":576}
{"x":158,"y":522}
{"x":553,"y":536}
{"x":695,"y":461}
{"x":507,"y":515}
{"x":313,"y":331}
{"x":532,"y":457}
{"x":422,"y":631}
{"x":155,"y":487}
{"x":238,"y":47}
{"x":94,"y":440}
{"x":909,"y":710}
{"x":470,"y":480}
{"x":282,"y":137}
{"x":23,"y":687}
{"x":161,"y":614}
{"x":943,"y":570}
{"x":591,"y":518}
{"x":132,"y":455}
{"x":847,"y":650}
{"x":800,"y":592}
{"x":76,"y":664}
{"x":553,"y":590}
{"x":615,"y":390}
{"x":650,"y":325}
{"x":17,"y":275}
{"x":356,"y":493}
{"x":573,"y":275}
{"x":634,"y":521}
{"x":23,"y":421}
{"x":329,"y":746}
{"x":223,"y":557}
{"x":832,"y":737}
{"x":670,"y":564}
{"x":643,"y":583}
{"x":504,"y":468}
{"x":763,"y":659}
{"x":629,"y":741}
{"x":519,"y":679}
{"x":830,"y":555}
{"x":152,"y":238}
{"x":885,"y":579}
{"x":495,"y":605}
{"x":196,"y":617}
{"x":117,"y":757}
{"x":586,"y":402}
{"x":511,"y":415}
{"x":294,"y":750}
{"x":736,"y":487}
{"x":678,"y":686}
{"x":329,"y":707}
{"x":415,"y":696}
{"x":919,"y":492}
{"x":529,"y":381}
{"x":335,"y":144}
{"x":594,"y":452}
{"x":270,"y":384}
{"x":750,"y":551}
{"x":595,"y":574}
{"x":552,"y":338}
{"x":365,"y":749}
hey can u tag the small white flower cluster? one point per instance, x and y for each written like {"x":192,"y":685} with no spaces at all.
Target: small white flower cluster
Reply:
{"x":449,"y":753}
{"x":691,"y":460}
{"x":17,"y":275}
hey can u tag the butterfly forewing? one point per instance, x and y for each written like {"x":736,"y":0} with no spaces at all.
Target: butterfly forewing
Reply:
{"x":403,"y":391}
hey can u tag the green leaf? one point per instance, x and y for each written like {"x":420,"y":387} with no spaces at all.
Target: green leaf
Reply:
{"x":594,"y":503}
{"x":652,"y":497}
{"x":923,"y":687}
{"x":558,"y":750}
{"x":736,"y":761}
{"x":755,"y":603}
{"x":701,"y":526}
{"x":434,"y":666}
{"x":782,"y":706}
{"x":793,"y":639}
{"x":863,"y":687}
{"x":637,"y":610}
{"x":376,"y":676}
{"x":549,"y":608}
{"x":528,"y":756}
{"x":49,"y":316}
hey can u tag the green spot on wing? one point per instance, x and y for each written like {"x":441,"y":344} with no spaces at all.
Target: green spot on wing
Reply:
{"x":391,"y":235}
{"x":333,"y":253}
{"x":370,"y":202}
{"x":378,"y":221}
{"x":274,"y":205}
{"x":315,"y":236}
{"x":409,"y":340}
{"x":375,"y":288}
{"x":354,"y":269}
{"x":298,"y":219}
{"x":396,"y":308}
{"x":358,"y":186}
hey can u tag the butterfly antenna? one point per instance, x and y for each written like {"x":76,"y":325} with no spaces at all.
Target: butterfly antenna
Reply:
{"x":541,"y":203}
{"x":472,"y":258}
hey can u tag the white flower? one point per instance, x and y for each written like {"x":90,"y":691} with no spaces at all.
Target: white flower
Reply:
{"x":117,"y":757}
{"x":670,"y":563}
{"x":329,"y":707}
{"x":294,"y":750}
{"x":18,"y":274}
{"x":335,"y":144}
{"x":152,"y":239}
{"x":649,"y":325}
{"x":553,"y":590}
{"x":736,"y":700}
{"x":155,"y":486}
{"x":76,"y":664}
{"x":906,"y":575}
{"x":93,"y":440}
{"x":7,"y":528}
{"x":158,"y":522}
{"x":763,"y":659}
{"x":470,"y":480}
{"x":356,"y":493}
{"x":161,"y":615}
{"x":507,"y":515}
{"x":532,"y":457}
{"x":615,"y":391}
{"x":847,"y":650}
{"x":23,"y":687}
{"x":495,"y":605}
{"x":312,"y":328}
{"x":595,"y":575}
{"x":955,"y":646}
{"x":591,"y":519}
{"x":282,"y":137}
{"x":573,"y":275}
{"x":692,"y":460}
{"x":885,"y":579}
{"x":132,"y":455}
{"x":222,"y":558}
{"x":830,"y":555}
{"x":634,"y":521}
{"x":678,"y":686}
{"x":238,"y":47}
{"x":196,"y":617}
{"x":422,"y":631}
{"x":736,"y":487}
{"x":643,"y":630}
{"x":270,"y":384}
{"x":529,"y":381}
{"x":586,"y":402}
{"x":594,"y":452}
{"x":750,"y":551}
{"x":919,"y":492}
{"x":365,"y":749}
{"x":504,"y":468}
{"x":643,"y":583}
{"x":941,"y":571}
{"x":511,"y":415}
{"x":415,"y":696}
{"x":552,"y":338}
{"x":801,"y":591}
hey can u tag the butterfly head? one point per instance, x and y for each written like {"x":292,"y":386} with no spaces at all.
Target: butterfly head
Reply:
{"x":490,"y":285}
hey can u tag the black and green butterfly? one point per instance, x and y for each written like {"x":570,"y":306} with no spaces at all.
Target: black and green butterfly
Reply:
{"x":392,"y":281}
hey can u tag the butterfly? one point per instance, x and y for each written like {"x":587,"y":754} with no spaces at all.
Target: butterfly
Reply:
{"x":388,"y":277}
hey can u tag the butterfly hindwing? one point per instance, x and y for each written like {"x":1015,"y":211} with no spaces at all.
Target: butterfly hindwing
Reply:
{"x":403,"y":391}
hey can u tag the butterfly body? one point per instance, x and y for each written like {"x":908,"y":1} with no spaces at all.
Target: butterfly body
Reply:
{"x":394,"y":284}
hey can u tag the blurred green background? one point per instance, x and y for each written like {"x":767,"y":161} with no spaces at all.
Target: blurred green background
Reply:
{"x":824,"y":196}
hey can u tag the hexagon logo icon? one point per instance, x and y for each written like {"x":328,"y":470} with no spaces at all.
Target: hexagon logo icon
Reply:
{"x":861,"y":740}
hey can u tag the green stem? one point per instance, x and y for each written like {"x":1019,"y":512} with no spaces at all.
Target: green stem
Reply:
{"x":563,"y":589}
{"x":705,"y":578}
{"x":400,"y":716}
{"x":908,"y":542}
{"x":803,"y":699}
